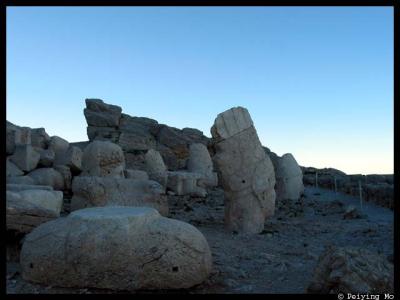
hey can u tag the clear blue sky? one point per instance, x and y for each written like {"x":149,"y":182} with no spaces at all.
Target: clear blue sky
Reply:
{"x":318,"y":82}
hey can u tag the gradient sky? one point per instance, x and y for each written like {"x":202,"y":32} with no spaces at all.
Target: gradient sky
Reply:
{"x":317,"y":81}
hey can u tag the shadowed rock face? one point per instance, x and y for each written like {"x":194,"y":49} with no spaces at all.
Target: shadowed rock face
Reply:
{"x":351,"y":270}
{"x":119,"y":248}
{"x":247,"y":174}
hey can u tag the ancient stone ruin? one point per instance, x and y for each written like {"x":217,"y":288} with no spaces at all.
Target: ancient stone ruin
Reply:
{"x":118,"y":212}
{"x":247,"y":174}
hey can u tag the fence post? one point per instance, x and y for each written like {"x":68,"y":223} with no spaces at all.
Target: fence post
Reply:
{"x":316,"y":179}
{"x":360,"y":190}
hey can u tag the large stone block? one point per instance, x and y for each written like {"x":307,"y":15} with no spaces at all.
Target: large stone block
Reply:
{"x":200,"y":162}
{"x":289,"y":178}
{"x":39,"y":138}
{"x":247,"y":174}
{"x":98,"y":113}
{"x":58,"y":145}
{"x":118,"y":248}
{"x":155,"y":167}
{"x":28,"y":209}
{"x":48,"y":176}
{"x":108,"y":191}
{"x":105,"y":159}
{"x":13,"y":187}
{"x":12,"y":170}
{"x":185,"y":183}
{"x":71,"y":158}
{"x":25,"y":157}
{"x":47,"y":157}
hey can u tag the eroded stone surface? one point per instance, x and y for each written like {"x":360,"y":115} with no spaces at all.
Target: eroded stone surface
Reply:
{"x":352,"y":270}
{"x":102,"y":158}
{"x":289,"y":178}
{"x":25,"y":157}
{"x":119,"y":248}
{"x":48,"y":176}
{"x":108,"y":191}
{"x":247,"y":174}
{"x":28,"y":209}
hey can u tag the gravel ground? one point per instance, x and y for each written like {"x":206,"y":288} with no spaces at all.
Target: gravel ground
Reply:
{"x":281,"y":259}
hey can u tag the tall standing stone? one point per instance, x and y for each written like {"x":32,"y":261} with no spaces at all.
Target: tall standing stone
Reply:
{"x":289,"y":178}
{"x":155,"y":167}
{"x":247,"y":174}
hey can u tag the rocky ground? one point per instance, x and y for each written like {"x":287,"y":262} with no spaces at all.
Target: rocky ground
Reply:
{"x":279,"y":260}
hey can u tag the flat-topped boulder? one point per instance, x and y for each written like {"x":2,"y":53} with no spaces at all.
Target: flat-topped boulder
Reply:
{"x":91,"y":191}
{"x":247,"y":174}
{"x":103,"y":158}
{"x":118,"y":248}
{"x":27,"y":209}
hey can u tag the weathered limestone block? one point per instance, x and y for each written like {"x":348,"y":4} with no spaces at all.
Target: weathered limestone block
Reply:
{"x":247,"y":174}
{"x":25,"y":137}
{"x":30,"y":208}
{"x":98,"y":113}
{"x":136,"y":133}
{"x":352,"y":270}
{"x":39,"y":138}
{"x":13,"y":137}
{"x":20,"y":180}
{"x":48,"y":176}
{"x":13,"y":187}
{"x":118,"y":248}
{"x":58,"y":145}
{"x":136,"y":174}
{"x":72,"y":158}
{"x":47,"y":157}
{"x":50,"y":200}
{"x":131,"y":141}
{"x":25,"y":157}
{"x":12,"y":170}
{"x":155,"y":167}
{"x":66,"y":174}
{"x":103,"y":133}
{"x":101,"y":158}
{"x":109,"y":191}
{"x":185,"y":183}
{"x":200,"y":162}
{"x":289,"y":178}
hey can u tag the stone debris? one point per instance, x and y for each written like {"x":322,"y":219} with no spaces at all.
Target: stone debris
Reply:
{"x":91,"y":191}
{"x":352,"y":270}
{"x":118,"y":248}
{"x":247,"y":174}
